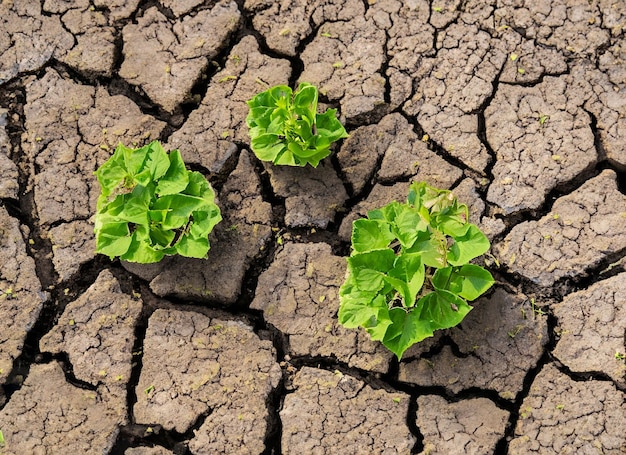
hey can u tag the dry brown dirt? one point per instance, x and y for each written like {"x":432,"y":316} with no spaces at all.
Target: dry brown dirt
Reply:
{"x":517,"y":106}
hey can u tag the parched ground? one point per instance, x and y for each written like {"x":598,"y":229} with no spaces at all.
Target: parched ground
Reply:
{"x":519,"y":106}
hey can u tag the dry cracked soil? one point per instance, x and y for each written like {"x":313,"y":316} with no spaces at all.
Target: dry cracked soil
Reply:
{"x":519,"y":106}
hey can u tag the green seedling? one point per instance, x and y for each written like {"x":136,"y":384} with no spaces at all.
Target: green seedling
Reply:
{"x":538,"y":311}
{"x":515,"y":331}
{"x":8,"y":293}
{"x":286,"y":129}
{"x":409,"y":272}
{"x":151,"y":206}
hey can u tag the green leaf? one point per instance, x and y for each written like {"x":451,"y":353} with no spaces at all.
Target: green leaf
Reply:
{"x":204,"y":221}
{"x":178,"y":208}
{"x":369,"y":268}
{"x":198,"y":186}
{"x":175,"y":178}
{"x":134,"y":206}
{"x":473,"y":281}
{"x":408,"y":225}
{"x":161,"y":237}
{"x":305,"y":101}
{"x":362,"y":309}
{"x":113,"y":239}
{"x":469,"y":246}
{"x":469,"y":281}
{"x":192,"y":247}
{"x":329,"y":127}
{"x":453,"y":225}
{"x":443,"y":279}
{"x":370,"y":235}
{"x":442,"y":309}
{"x":406,"y":329}
{"x":142,"y":253}
{"x":409,"y":271}
{"x":158,"y":161}
{"x":432,"y":252}
{"x":111,"y":175}
{"x":286,"y":158}
{"x":147,"y":163}
{"x":268,"y":146}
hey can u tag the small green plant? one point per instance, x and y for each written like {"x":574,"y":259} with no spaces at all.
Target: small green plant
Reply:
{"x":151,"y":206}
{"x":8,"y":293}
{"x":409,"y":272}
{"x":285,"y":127}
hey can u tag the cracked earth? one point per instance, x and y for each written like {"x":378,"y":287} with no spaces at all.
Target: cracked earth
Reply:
{"x":518,"y":106}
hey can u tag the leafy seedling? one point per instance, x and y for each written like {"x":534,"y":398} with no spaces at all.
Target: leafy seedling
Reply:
{"x":286,"y":129}
{"x":151,"y":206}
{"x":409,"y":272}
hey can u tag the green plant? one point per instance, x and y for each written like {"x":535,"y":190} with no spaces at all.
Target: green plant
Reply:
{"x":151,"y":206}
{"x":409,"y":272}
{"x":286,"y":129}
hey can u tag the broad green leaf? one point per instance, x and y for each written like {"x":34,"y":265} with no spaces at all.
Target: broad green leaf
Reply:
{"x":111,"y":207}
{"x":161,"y":237}
{"x":158,"y":160}
{"x":142,"y":252}
{"x":376,"y":214}
{"x":273,"y":153}
{"x":388,"y":212}
{"x":286,"y":158}
{"x":329,"y":126}
{"x":113,"y":239}
{"x":198,"y":186}
{"x":305,"y":100}
{"x":135,"y":205}
{"x":204,"y":220}
{"x":409,"y":270}
{"x":179,"y":207}
{"x":140,"y":166}
{"x":370,"y":235}
{"x":431,"y":250}
{"x":176,"y":178}
{"x":110,"y":175}
{"x":452,"y":225}
{"x":473,"y":280}
{"x":406,"y":329}
{"x":192,"y":247}
{"x":408,"y":225}
{"x":467,"y":247}
{"x":369,"y":268}
{"x":133,"y":159}
{"x":362,"y":309}
{"x":443,"y":279}
{"x":377,"y":327}
{"x":442,"y":309}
